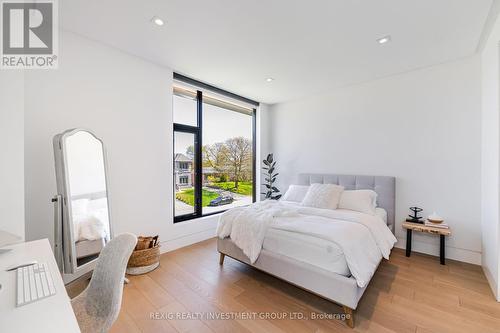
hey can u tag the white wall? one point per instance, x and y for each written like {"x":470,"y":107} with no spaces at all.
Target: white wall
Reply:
{"x":125,"y":101}
{"x":12,"y":152}
{"x":263,"y":142}
{"x":422,"y":127}
{"x":490,"y":58}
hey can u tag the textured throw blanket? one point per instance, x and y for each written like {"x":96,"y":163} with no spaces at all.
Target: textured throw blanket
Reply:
{"x":364,"y":239}
{"x":248,"y":225}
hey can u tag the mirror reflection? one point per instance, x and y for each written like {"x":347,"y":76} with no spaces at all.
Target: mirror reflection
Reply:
{"x":87,"y":193}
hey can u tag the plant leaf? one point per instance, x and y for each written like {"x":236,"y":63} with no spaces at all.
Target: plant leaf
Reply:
{"x":270,"y":158}
{"x":265,"y":162}
{"x":271,"y":170}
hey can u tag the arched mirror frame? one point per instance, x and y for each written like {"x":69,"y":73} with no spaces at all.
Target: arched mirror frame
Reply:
{"x":64,"y":243}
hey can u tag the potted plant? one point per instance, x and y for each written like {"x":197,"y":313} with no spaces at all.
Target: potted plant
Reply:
{"x":272,"y":192}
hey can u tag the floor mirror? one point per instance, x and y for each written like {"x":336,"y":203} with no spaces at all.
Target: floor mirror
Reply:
{"x":82,"y":224}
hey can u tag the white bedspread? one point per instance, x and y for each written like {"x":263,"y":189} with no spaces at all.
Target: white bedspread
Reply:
{"x":88,"y":227}
{"x":248,"y":225}
{"x":363,"y":238}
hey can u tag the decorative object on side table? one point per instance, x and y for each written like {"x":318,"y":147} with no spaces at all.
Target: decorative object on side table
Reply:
{"x":415,"y":218}
{"x":272,"y":191}
{"x":440,"y":229}
{"x":434,"y":218}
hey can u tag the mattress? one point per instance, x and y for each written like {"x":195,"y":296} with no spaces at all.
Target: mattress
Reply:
{"x":87,"y":248}
{"x":312,"y":250}
{"x":315,"y":251}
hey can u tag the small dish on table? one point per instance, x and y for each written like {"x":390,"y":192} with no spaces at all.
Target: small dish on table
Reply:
{"x":434,"y":218}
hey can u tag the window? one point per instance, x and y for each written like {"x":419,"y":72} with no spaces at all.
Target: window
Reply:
{"x":214,"y":149}
{"x":184,"y":180}
{"x":184,"y":165}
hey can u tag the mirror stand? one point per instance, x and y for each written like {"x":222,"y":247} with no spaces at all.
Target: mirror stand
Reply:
{"x":82,"y":224}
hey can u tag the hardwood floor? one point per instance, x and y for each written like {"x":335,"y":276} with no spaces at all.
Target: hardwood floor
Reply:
{"x":414,"y":294}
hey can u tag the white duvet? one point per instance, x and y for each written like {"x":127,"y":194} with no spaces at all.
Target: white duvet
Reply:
{"x":88,"y":227}
{"x":90,"y":219}
{"x":364,"y":239}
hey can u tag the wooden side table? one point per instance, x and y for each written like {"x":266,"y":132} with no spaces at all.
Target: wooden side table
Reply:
{"x":410,"y":227}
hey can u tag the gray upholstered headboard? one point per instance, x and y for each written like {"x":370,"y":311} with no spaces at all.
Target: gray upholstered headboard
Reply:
{"x":384,"y":186}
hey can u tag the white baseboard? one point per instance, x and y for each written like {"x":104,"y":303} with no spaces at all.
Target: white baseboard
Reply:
{"x":177,"y":243}
{"x":492,"y":283}
{"x":454,"y":253}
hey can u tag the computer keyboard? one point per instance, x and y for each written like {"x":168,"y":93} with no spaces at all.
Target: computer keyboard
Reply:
{"x":34,"y":283}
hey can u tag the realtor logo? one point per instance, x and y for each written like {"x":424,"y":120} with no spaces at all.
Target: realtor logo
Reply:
{"x":29,"y":34}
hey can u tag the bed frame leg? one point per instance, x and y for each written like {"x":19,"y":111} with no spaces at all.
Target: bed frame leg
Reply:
{"x":221,"y":258}
{"x":349,"y":320}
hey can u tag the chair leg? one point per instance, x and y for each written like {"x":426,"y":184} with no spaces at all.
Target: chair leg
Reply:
{"x":221,"y":258}
{"x":349,"y":316}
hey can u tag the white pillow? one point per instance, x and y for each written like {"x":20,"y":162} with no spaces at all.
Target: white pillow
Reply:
{"x":363,"y":201}
{"x":325,"y":196}
{"x":295,"y":193}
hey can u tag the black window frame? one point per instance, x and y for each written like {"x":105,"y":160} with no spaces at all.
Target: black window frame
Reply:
{"x":197,"y":131}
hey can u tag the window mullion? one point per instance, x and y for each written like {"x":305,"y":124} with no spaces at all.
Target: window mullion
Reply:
{"x":198,"y":157}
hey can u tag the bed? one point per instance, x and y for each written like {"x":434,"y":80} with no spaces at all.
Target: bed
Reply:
{"x":325,"y":276}
{"x":90,"y":226}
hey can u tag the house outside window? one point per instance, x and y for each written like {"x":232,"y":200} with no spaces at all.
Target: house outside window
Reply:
{"x":214,"y":149}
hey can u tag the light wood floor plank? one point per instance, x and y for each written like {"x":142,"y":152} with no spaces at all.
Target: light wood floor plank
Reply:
{"x":140,"y":309}
{"x":184,"y":325}
{"x":151,"y":290}
{"x":406,"y":295}
{"x":125,"y":324}
{"x":193,"y":302}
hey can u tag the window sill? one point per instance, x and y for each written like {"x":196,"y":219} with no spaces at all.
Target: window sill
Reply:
{"x":186,"y":218}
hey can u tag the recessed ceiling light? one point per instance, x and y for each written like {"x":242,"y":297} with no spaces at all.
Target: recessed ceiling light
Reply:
{"x":269,"y":79}
{"x":384,"y":40}
{"x":158,"y":21}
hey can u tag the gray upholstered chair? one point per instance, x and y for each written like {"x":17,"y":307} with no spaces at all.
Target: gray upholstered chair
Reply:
{"x":97,"y":307}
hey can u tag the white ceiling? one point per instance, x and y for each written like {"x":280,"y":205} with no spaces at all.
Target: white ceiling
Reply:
{"x":307,"y":46}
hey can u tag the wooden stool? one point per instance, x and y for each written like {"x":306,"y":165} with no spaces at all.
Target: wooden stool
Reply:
{"x":409,"y":226}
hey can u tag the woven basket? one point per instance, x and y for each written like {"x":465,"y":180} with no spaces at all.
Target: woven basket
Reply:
{"x":143,"y":261}
{"x":143,"y":243}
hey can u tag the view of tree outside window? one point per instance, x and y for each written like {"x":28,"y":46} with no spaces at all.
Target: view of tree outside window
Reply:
{"x":226,"y":158}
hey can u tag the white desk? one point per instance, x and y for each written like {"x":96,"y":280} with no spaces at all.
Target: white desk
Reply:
{"x":53,"y":314}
